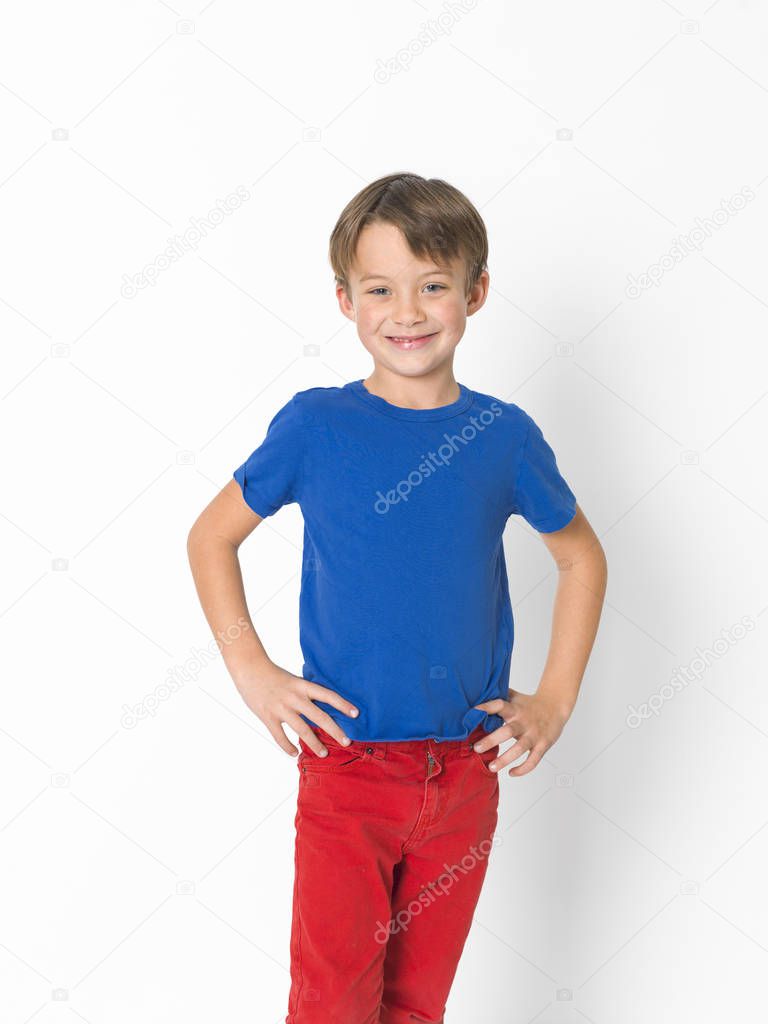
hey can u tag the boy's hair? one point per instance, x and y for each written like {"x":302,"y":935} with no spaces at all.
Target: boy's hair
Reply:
{"x":436,"y":219}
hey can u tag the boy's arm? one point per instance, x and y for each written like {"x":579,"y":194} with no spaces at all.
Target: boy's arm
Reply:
{"x":536,"y":720}
{"x":576,"y":613}
{"x":272,"y":693}
{"x":212,"y":547}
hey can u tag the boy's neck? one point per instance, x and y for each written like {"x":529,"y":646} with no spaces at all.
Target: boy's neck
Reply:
{"x":428,"y":391}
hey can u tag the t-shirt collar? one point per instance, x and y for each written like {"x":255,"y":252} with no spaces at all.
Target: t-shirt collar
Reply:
{"x":441,"y":412}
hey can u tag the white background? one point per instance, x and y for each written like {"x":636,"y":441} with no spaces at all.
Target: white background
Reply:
{"x":146,"y":865}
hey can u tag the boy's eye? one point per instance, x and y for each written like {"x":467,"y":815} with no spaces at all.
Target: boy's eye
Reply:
{"x":377,"y":291}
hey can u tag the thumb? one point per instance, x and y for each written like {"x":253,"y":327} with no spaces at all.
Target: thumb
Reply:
{"x":491,"y":705}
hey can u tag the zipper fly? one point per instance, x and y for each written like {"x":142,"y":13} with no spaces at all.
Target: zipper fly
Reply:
{"x":430,"y":762}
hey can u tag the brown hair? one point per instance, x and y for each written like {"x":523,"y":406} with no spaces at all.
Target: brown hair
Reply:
{"x":436,"y":219}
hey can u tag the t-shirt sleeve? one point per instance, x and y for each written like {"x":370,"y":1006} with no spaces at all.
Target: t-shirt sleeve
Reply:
{"x":271,"y":476}
{"x":541,"y":494}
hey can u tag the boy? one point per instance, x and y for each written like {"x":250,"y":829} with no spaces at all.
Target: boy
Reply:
{"x":405,"y":481}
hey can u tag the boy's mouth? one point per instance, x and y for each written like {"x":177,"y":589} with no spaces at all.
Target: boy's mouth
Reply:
{"x":408,"y":342}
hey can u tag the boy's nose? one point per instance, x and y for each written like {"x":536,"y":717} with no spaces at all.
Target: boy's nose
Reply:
{"x":410,"y":311}
{"x":407,"y":320}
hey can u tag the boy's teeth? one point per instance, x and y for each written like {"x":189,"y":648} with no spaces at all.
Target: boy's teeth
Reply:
{"x":415,"y":342}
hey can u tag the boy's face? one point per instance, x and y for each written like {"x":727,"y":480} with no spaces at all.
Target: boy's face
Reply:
{"x":397,"y":296}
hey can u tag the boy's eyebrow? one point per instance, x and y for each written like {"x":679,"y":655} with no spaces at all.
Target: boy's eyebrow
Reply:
{"x":427,"y":273}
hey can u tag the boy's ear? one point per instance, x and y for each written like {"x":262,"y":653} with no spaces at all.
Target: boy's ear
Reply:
{"x":345,"y":303}
{"x":478,"y":293}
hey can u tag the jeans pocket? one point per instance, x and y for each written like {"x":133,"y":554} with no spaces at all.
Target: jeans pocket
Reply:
{"x":485,"y":757}
{"x":338,"y":758}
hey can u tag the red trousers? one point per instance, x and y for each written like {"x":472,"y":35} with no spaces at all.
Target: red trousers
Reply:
{"x":392,"y":845}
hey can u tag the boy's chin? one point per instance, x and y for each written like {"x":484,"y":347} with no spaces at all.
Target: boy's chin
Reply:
{"x":408,"y":368}
{"x":408,"y":361}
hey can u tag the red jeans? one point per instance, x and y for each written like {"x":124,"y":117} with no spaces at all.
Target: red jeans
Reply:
{"x":392,"y":845}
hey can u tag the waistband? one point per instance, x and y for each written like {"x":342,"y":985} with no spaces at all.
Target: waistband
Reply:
{"x":381,"y":748}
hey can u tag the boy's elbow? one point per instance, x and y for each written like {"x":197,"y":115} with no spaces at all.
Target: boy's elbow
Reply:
{"x":196,"y":536}
{"x":191,"y":541}
{"x":601,"y":565}
{"x":208,"y":532}
{"x":599,"y":554}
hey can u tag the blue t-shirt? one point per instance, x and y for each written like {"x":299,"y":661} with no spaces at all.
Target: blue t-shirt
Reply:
{"x":404,"y":606}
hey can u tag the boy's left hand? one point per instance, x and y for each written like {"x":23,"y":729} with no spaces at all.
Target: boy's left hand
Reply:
{"x":534,"y":720}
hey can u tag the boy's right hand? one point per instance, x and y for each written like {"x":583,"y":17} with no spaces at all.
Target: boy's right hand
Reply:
{"x":276,"y":697}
